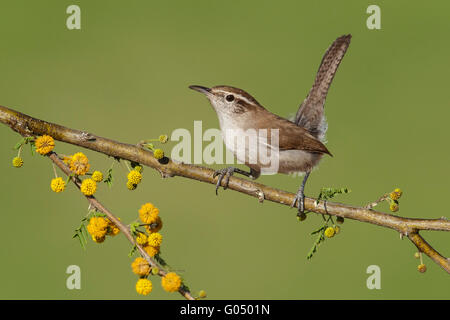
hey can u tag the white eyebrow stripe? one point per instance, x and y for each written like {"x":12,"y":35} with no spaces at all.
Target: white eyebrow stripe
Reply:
{"x":237,"y":95}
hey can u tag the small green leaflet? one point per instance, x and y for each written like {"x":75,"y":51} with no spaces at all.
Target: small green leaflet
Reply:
{"x":109,"y":177}
{"x":319,"y":239}
{"x":160,"y":260}
{"x":133,"y":227}
{"x":82,"y":235}
{"x":328,"y":193}
{"x":132,"y":251}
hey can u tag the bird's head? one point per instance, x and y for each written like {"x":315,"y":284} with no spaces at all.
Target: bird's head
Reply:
{"x":228,"y":100}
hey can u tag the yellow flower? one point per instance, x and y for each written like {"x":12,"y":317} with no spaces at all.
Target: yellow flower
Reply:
{"x":144,"y":287}
{"x":97,"y":227}
{"x":148,"y":213}
{"x":163,"y":138}
{"x":329,"y":232}
{"x":140,"y":266}
{"x":112,"y":230}
{"x":98,"y":239}
{"x":67,"y":159}
{"x":154,"y":239}
{"x":154,"y":226}
{"x":17,"y":162}
{"x":152,"y":251}
{"x":97,"y":176}
{"x":422,"y":268}
{"x":138,"y":169}
{"x":58,"y":184}
{"x":79,"y":164}
{"x":44,"y":144}
{"x":131,"y":185}
{"x":394,"y":206}
{"x":171,"y":282}
{"x":88,"y":187}
{"x":396,"y":194}
{"x":202,"y":294}
{"x":337,"y":229}
{"x":301,"y":217}
{"x":134,"y":176}
{"x":141,"y":239}
{"x":158,"y":154}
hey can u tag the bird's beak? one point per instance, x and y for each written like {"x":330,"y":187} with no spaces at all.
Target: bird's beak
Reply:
{"x":204,"y":90}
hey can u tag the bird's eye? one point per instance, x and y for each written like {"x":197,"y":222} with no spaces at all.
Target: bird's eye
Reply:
{"x":229,"y":98}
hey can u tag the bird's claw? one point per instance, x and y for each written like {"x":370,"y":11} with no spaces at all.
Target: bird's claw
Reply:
{"x":300,"y":199}
{"x":225,"y":172}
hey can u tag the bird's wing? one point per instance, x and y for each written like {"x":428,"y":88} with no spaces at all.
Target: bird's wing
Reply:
{"x":291,"y":136}
{"x":310,"y":114}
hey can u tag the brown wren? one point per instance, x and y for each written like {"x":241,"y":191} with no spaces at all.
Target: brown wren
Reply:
{"x":298,"y":144}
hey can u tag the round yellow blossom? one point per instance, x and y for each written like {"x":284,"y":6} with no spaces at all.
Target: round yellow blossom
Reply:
{"x":98,"y":239}
{"x":144,"y":287}
{"x":163,"y":138}
{"x":202,"y":294}
{"x":79,"y":164}
{"x":141,"y":239}
{"x":112,"y":230}
{"x":154,"y":239}
{"x":67,"y":159}
{"x":97,"y":176}
{"x":394,"y":206}
{"x":140,"y":266}
{"x":152,"y":251}
{"x":148,"y":213}
{"x":44,"y":144}
{"x":88,"y":187}
{"x":422,"y":268}
{"x":58,"y":184}
{"x":396,"y":194}
{"x":138,"y":168}
{"x":158,"y":154}
{"x":329,"y":232}
{"x":154,"y":226}
{"x":301,"y":217}
{"x":17,"y":162}
{"x":171,"y":282}
{"x":131,"y":185}
{"x":337,"y":229}
{"x":134,"y":177}
{"x":97,"y":227}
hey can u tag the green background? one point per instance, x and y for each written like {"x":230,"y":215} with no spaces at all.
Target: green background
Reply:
{"x":125,"y":75}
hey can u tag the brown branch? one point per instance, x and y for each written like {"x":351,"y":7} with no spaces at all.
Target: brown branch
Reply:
{"x":26,"y":125}
{"x":122,"y":227}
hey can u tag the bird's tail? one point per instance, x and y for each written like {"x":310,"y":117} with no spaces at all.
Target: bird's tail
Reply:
{"x":310,"y":114}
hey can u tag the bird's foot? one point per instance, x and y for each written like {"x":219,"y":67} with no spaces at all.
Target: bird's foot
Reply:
{"x":300,"y":199}
{"x":223,"y":173}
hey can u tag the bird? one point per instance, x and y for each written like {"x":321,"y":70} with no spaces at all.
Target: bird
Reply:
{"x":299,"y":144}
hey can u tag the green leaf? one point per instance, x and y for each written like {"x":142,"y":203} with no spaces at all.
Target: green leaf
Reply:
{"x":32,"y":148}
{"x":109,"y":178}
{"x":69,"y":177}
{"x":133,"y":227}
{"x":160,"y":260}
{"x":132,"y":251}
{"x":18,"y":145}
{"x":328,"y":193}
{"x":320,"y":238}
{"x":318,"y":230}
